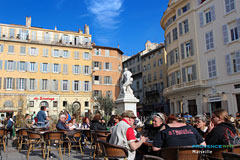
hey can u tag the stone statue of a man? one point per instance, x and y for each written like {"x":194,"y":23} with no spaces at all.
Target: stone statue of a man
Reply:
{"x":125,"y":83}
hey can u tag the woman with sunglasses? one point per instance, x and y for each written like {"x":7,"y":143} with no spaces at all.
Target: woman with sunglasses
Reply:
{"x":201,"y":125}
{"x":219,"y":128}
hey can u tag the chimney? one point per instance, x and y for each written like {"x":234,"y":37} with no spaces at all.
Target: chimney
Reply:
{"x":118,"y":46}
{"x":86,"y":29}
{"x":80,"y":31}
{"x":28,"y":21}
{"x":55,"y":28}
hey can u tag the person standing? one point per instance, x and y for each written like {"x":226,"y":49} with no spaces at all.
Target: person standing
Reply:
{"x":42,"y":117}
{"x":123,"y":134}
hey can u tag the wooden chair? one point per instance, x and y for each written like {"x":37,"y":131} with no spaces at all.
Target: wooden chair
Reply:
{"x":111,"y":151}
{"x":22,"y":138}
{"x":150,"y":157}
{"x":35,"y":138}
{"x":230,"y":156}
{"x":97,"y":147}
{"x":180,"y":153}
{"x":53,"y":138}
{"x":236,"y":148}
{"x":75,"y":141}
{"x":3,"y":137}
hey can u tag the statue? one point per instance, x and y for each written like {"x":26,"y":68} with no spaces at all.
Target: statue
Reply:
{"x":125,"y":83}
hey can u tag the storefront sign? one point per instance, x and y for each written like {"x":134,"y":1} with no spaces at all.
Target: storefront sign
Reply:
{"x":43,"y":98}
{"x":214,"y":99}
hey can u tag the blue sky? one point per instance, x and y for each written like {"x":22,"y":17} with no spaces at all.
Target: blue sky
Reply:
{"x":129,"y":23}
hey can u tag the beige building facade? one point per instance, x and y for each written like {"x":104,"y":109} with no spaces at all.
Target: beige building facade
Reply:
{"x":202,"y":44}
{"x":42,"y":67}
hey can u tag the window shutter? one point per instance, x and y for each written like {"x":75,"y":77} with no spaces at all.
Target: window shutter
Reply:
{"x":173,"y":78}
{"x":52,"y":67}
{"x":26,"y":66}
{"x":6,"y":64}
{"x":25,"y":83}
{"x":48,"y":85}
{"x":100,"y":79}
{"x":182,"y":50}
{"x":110,"y":80}
{"x":48,"y":67}
{"x":73,"y":69}
{"x":110,"y":66}
{"x":238,"y":27}
{"x":180,"y":29}
{"x":73,"y":86}
{"x":183,"y":74}
{"x":225,"y":33}
{"x":100,"y":65}
{"x":17,"y":81}
{"x":90,"y":86}
{"x":41,"y":66}
{"x":83,"y":55}
{"x":4,"y":83}
{"x":237,"y":60}
{"x":29,"y":51}
{"x":191,"y":47}
{"x":40,"y":84}
{"x":36,"y":67}
{"x":68,"y":85}
{"x":188,"y":6}
{"x":0,"y":64}
{"x":194,"y":72}
{"x":60,"y":53}
{"x":229,"y":64}
{"x":201,"y":20}
{"x":14,"y":65}
{"x":18,"y":65}
{"x":28,"y":84}
{"x":212,"y":9}
{"x":59,"y":68}
{"x":13,"y":83}
{"x":36,"y":85}
{"x":179,"y":12}
{"x":199,"y":2}
{"x":52,"y":52}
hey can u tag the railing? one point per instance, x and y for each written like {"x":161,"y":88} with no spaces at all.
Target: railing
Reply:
{"x":59,"y":42}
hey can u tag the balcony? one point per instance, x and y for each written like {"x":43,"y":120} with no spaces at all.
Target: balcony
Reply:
{"x":185,"y":86}
{"x":41,"y":40}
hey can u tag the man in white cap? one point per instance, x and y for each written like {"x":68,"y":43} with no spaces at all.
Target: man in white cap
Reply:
{"x":61,"y":125}
{"x":123,"y":134}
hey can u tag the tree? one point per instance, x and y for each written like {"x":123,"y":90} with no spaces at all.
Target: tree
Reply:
{"x":106,"y":104}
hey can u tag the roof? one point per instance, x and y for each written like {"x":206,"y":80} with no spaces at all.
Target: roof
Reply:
{"x":105,"y":47}
{"x":154,"y":50}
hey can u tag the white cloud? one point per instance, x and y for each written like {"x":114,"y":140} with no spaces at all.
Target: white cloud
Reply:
{"x":106,"y":12}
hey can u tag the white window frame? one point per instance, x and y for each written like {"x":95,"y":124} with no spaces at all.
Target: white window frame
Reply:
{"x":189,"y":73}
{"x":65,"y":85}
{"x":9,"y":83}
{"x":33,"y":51}
{"x":22,"y":66}
{"x":22,"y":50}
{"x":10,"y":49}
{"x":45,"y":67}
{"x":209,"y":40}
{"x":76,"y":86}
{"x":10,"y":65}
{"x":21,"y":84}
{"x":212,"y":69}
{"x":231,"y":4}
{"x":87,"y":70}
{"x":44,"y":85}
{"x":76,"y":55}
{"x":32,"y":82}
{"x":32,"y":66}
{"x":76,"y":69}
{"x":86,"y":86}
{"x":86,"y":55}
{"x":55,"y":68}
{"x":187,"y":49}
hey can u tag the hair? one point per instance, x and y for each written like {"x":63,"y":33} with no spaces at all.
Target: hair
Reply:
{"x":26,"y":115}
{"x":85,"y":119}
{"x":161,"y":116}
{"x":201,"y":117}
{"x":97,"y":117}
{"x":118,"y":117}
{"x":43,"y":107}
{"x":222,"y":113}
{"x":171,"y":118}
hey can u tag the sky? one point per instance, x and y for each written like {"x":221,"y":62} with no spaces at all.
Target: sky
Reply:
{"x":127,"y":23}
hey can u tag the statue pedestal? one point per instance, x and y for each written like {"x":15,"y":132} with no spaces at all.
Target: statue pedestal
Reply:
{"x":127,"y":102}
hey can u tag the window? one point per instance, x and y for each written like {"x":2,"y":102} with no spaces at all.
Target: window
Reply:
{"x":160,"y":62}
{"x":209,"y":40}
{"x":183,"y":27}
{"x":65,"y":85}
{"x":31,"y":103}
{"x":189,"y":73}
{"x":34,"y":35}
{"x":32,"y":67}
{"x":86,"y":70}
{"x":97,"y":51}
{"x":45,"y":52}
{"x":65,"y":54}
{"x":55,"y":53}
{"x":55,"y":103}
{"x":54,"y":85}
{"x":32,"y":84}
{"x":65,"y":69}
{"x":234,"y":33}
{"x":144,"y":79}
{"x":45,"y":67}
{"x":154,"y":64}
{"x":33,"y":51}
{"x":47,"y":37}
{"x":9,"y":83}
{"x":175,"y":34}
{"x":86,"y":55}
{"x":212,"y":68}
{"x":208,"y":17}
{"x":178,"y":77}
{"x":236,"y":61}
{"x":186,"y":28}
{"x":107,"y":80}
{"x":176,"y":55}
{"x":86,"y":86}
{"x":139,"y":68}
{"x":155,"y":76}
{"x":97,"y":93}
{"x":107,"y":52}
{"x":107,"y":66}
{"x":10,"y":65}
{"x":22,"y":66}
{"x":149,"y":77}
{"x":76,"y":55}
{"x":188,"y":49}
{"x":229,"y":5}
{"x":56,"y":68}
{"x":20,"y":83}
{"x":11,"y":33}
{"x":76,"y":86}
{"x":1,"y":47}
{"x":76,"y":69}
{"x":22,"y":50}
{"x":10,"y":49}
{"x":97,"y":65}
{"x":149,"y":66}
{"x":109,"y":94}
{"x":96,"y":79}
{"x":169,"y":38}
{"x":86,"y":104}
{"x":64,"y":103}
{"x":44,"y":84}
{"x":160,"y":74}
{"x":65,"y":39}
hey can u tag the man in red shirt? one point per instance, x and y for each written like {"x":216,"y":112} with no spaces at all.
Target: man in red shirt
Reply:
{"x":123,"y":134}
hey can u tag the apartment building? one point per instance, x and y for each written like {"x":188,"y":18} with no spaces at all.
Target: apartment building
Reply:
{"x":43,"y":67}
{"x":106,"y":72}
{"x":154,"y":71}
{"x":134,"y":65}
{"x":203,"y":55}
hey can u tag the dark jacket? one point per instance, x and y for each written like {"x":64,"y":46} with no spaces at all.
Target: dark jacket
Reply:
{"x":218,"y":135}
{"x":96,"y":125}
{"x":153,"y":131}
{"x":61,"y":126}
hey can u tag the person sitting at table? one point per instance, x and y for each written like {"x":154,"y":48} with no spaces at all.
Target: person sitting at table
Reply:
{"x":157,"y":124}
{"x":201,"y":125}
{"x":97,"y":123}
{"x":86,"y":123}
{"x":176,"y":134}
{"x":61,"y":124}
{"x":123,"y":134}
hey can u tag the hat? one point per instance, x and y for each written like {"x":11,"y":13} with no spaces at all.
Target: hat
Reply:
{"x":161,"y":116}
{"x":129,"y":114}
{"x":62,"y":116}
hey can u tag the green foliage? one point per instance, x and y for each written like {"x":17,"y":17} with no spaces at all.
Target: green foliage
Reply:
{"x":106,"y":104}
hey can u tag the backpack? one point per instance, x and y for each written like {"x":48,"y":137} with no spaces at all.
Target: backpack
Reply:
{"x":232,"y":138}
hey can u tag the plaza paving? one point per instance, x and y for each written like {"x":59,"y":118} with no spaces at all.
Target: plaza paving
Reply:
{"x":13,"y":154}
